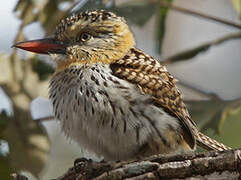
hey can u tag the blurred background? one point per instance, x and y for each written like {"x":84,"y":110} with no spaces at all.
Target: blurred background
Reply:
{"x":198,"y":40}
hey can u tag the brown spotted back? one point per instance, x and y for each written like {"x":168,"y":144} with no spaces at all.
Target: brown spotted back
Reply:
{"x":154,"y":79}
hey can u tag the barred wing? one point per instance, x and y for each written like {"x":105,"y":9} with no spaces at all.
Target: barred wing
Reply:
{"x":152,"y":78}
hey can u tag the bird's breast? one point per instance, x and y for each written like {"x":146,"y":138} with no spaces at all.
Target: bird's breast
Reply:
{"x":105,"y":114}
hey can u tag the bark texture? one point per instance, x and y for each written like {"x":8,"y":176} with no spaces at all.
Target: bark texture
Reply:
{"x":208,"y":165}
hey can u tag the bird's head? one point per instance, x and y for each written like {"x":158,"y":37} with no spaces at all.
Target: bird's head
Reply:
{"x":85,"y":38}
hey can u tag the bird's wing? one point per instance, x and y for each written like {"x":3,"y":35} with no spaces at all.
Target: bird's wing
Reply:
{"x":152,"y":78}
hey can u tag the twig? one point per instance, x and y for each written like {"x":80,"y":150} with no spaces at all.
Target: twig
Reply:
{"x":190,"y":53}
{"x":199,"y":14}
{"x":49,"y":118}
{"x":212,"y":96}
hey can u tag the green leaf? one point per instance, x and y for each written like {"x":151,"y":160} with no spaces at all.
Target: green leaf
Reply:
{"x":206,"y":113}
{"x":213,"y":114}
{"x":3,"y":120}
{"x":28,"y":143}
{"x":5,"y":168}
{"x":237,"y":6}
{"x":230,"y":132}
{"x":162,"y":26}
{"x":41,"y":68}
{"x":137,"y":12}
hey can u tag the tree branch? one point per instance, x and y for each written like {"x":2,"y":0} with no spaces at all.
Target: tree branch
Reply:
{"x":213,"y":164}
{"x":210,"y":95}
{"x":199,"y":14}
{"x":190,"y":53}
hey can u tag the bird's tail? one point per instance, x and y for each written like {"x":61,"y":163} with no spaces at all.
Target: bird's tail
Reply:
{"x":208,"y":143}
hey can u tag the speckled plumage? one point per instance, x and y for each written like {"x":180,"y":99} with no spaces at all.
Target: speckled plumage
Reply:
{"x":112,"y":98}
{"x":108,"y":115}
{"x":111,"y":116}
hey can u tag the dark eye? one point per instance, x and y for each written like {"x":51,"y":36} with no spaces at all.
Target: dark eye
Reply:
{"x":85,"y":37}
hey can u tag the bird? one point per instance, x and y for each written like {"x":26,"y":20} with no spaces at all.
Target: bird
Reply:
{"x":112,"y":98}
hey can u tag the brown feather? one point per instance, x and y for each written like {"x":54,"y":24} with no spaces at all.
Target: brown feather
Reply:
{"x":153,"y":78}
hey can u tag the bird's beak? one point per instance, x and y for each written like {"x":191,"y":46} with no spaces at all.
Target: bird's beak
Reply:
{"x":42,"y":46}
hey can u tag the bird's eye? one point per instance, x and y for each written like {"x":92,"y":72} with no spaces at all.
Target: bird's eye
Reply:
{"x":85,"y":37}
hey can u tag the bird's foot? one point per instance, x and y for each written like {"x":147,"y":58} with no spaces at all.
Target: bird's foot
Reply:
{"x":80,"y":161}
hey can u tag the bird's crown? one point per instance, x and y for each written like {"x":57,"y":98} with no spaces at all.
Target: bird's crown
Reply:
{"x":85,"y":18}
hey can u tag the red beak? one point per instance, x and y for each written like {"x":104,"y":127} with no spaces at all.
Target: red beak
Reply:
{"x":42,"y":46}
